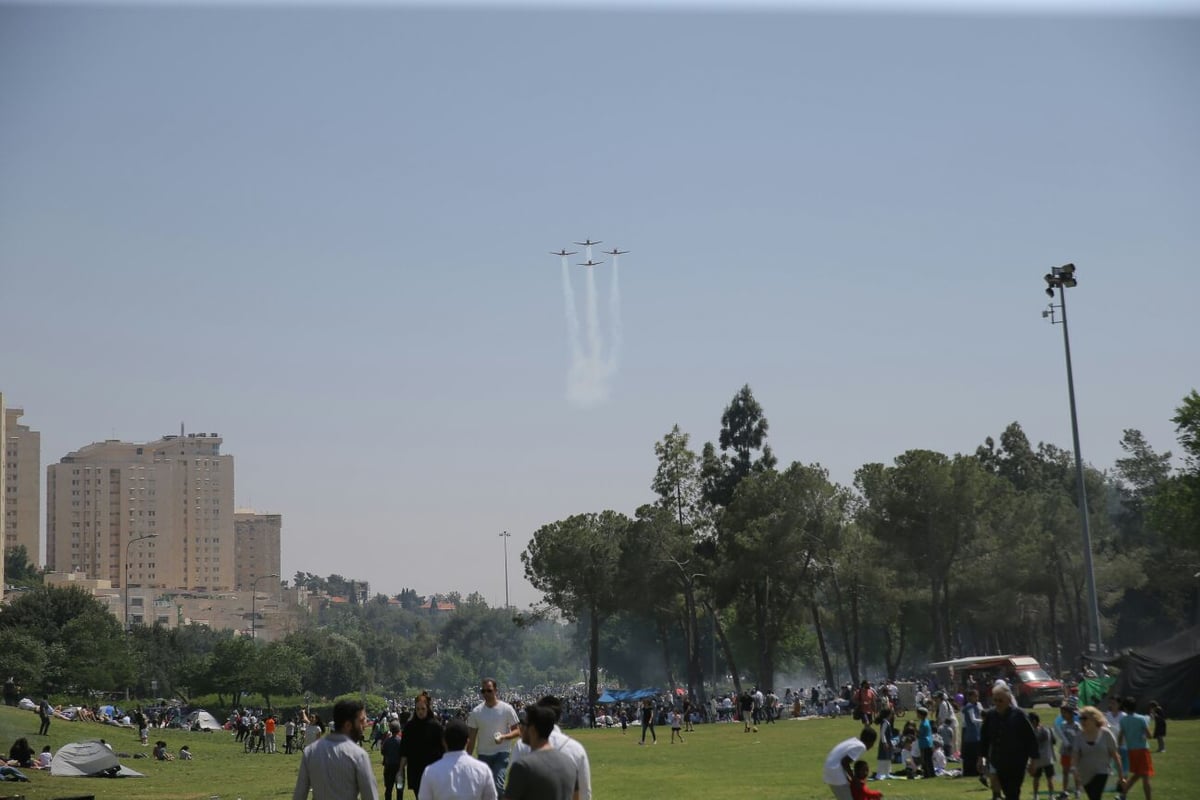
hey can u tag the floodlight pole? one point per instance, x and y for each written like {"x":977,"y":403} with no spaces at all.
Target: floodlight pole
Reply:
{"x":1060,"y":278}
{"x":505,"y":535}
{"x":127,"y":546}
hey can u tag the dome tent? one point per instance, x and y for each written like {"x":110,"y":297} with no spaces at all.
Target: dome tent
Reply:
{"x":88,"y":759}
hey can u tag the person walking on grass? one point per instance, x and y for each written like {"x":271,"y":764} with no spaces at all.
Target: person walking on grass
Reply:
{"x":1094,"y":753}
{"x":676,"y":726}
{"x":648,"y":721}
{"x":491,"y":726}
{"x":457,"y":776}
{"x":1008,"y":742}
{"x":1135,"y":730}
{"x":336,"y":767}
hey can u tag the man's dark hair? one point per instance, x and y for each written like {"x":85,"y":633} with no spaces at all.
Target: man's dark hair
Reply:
{"x":541,"y":719}
{"x":554,"y":704}
{"x":345,"y":711}
{"x":455,"y":735}
{"x":868,"y":736}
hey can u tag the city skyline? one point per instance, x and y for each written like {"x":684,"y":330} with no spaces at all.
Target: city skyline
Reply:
{"x":324,"y":233}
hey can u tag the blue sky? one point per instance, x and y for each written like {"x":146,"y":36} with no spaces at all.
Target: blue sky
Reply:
{"x":323,"y":232}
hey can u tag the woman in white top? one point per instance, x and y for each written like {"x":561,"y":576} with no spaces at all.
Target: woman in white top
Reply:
{"x":1093,"y":750}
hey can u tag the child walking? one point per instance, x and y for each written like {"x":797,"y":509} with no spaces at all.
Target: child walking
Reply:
{"x":1044,"y":765}
{"x":1067,"y":731}
{"x":676,"y":724}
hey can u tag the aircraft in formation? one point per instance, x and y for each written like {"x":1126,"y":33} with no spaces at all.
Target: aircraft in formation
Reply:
{"x":563,"y":252}
{"x":588,"y":243}
{"x":590,"y":263}
{"x":616,"y":252}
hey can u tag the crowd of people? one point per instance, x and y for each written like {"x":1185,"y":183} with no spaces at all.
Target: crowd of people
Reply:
{"x":1082,"y":749}
{"x":493,"y":749}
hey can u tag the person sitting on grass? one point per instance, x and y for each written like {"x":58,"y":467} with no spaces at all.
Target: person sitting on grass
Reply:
{"x":44,"y":758}
{"x":185,"y":754}
{"x":20,"y":754}
{"x":160,"y":752}
{"x":858,"y":784}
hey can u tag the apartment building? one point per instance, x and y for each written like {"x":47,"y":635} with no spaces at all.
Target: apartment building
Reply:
{"x":160,"y":512}
{"x":22,"y":486}
{"x":256,"y":550}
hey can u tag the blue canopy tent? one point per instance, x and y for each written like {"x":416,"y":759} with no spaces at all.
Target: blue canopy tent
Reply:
{"x":611,"y":696}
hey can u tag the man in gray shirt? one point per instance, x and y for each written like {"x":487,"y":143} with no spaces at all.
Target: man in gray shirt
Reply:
{"x":545,"y":773}
{"x":336,"y":767}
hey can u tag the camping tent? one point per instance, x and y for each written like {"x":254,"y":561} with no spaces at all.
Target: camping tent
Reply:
{"x":203,"y":720}
{"x":1168,"y":672}
{"x":88,"y":759}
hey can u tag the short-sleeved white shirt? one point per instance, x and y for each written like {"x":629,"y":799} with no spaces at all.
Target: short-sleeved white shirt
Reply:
{"x":500,"y":718}
{"x":834,"y":775}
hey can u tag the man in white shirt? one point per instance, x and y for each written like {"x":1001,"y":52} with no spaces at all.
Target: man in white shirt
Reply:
{"x":336,"y":767}
{"x":839,"y":764}
{"x":568,"y":746}
{"x":491,"y":725}
{"x":456,"y":775}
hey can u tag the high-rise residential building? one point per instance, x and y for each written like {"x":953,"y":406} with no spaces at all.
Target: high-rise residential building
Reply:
{"x":166,"y":506}
{"x":257,"y":550}
{"x":22,"y":486}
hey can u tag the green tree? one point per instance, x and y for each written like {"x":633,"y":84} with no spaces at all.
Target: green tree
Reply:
{"x":743,"y":432}
{"x":18,"y":571}
{"x":22,"y":656}
{"x":336,"y":661}
{"x":574,"y":564}
{"x":678,"y":482}
{"x":231,"y":668}
{"x":84,"y":645}
{"x":1175,"y":509}
{"x":277,"y":671}
{"x":777,"y":527}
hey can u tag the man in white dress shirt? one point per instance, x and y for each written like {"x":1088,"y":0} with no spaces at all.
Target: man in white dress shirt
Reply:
{"x":457,"y":775}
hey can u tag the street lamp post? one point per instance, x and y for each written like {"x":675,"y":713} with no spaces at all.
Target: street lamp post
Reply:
{"x":505,"y":535}
{"x":1063,"y":278}
{"x":127,"y":546}
{"x":254,"y":603}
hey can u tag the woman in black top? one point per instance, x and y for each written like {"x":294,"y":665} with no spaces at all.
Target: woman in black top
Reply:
{"x":21,"y":753}
{"x":420,"y":742}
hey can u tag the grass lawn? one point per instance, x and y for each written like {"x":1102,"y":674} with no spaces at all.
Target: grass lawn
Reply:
{"x":718,"y":762}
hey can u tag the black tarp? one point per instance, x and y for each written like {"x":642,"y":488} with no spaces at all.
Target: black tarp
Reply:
{"x":1168,"y":672}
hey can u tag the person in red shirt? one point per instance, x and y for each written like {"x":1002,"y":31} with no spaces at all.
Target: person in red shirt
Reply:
{"x":858,"y":786}
{"x":269,"y":729}
{"x":866,"y":699}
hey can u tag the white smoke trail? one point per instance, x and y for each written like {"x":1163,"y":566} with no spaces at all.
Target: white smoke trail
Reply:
{"x":591,"y":372}
{"x":572,"y":316}
{"x":614,"y":315}
{"x":593,"y":317}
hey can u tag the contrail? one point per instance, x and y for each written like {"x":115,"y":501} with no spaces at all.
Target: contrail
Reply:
{"x":614,"y":314}
{"x":572,"y":315}
{"x":592,"y":367}
{"x":593,"y":317}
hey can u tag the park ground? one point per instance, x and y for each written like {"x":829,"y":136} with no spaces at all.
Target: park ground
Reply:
{"x":716,"y":762}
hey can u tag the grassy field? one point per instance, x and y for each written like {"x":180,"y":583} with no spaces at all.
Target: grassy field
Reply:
{"x":718,"y":762}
